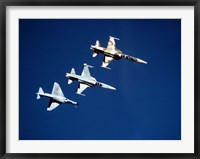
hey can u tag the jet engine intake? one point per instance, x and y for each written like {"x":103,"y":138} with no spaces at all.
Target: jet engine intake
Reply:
{"x":98,"y":84}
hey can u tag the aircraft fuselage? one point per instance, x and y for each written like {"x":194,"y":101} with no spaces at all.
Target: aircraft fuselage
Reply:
{"x":56,"y":98}
{"x":90,"y":82}
{"x":116,"y":54}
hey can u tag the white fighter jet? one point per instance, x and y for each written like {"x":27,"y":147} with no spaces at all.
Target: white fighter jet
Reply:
{"x":111,"y":52}
{"x":56,"y":97}
{"x":85,"y":80}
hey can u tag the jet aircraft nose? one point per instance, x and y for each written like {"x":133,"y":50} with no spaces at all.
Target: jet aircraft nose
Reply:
{"x":141,"y":61}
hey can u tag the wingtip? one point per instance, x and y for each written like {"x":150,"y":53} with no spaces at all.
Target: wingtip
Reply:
{"x":48,"y":109}
{"x":55,"y":83}
{"x":80,"y":94}
{"x":85,"y":64}
{"x":108,"y":68}
{"x":114,"y":37}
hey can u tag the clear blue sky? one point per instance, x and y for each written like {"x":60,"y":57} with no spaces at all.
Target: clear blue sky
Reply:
{"x":147,"y":102}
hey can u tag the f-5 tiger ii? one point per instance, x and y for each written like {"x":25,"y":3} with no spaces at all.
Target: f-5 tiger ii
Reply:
{"x":85,"y":80}
{"x":112,"y":53}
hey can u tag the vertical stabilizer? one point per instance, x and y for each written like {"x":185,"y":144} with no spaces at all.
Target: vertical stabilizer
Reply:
{"x":97,"y":43}
{"x":73,"y":71}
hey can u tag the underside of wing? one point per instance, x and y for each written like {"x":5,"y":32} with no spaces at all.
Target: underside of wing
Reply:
{"x":52,"y":105}
{"x":106,"y":61}
{"x":81,"y":88}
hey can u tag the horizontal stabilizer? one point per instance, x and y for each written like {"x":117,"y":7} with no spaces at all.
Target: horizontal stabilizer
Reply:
{"x":94,"y":54}
{"x":40,"y":92}
{"x":69,"y":81}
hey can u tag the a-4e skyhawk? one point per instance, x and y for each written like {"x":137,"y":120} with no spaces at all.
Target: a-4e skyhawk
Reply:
{"x":56,"y":97}
{"x":111,"y":52}
{"x":85,"y":80}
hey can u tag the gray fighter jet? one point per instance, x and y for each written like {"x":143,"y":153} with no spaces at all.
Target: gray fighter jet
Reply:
{"x":56,"y":97}
{"x":111,"y":52}
{"x":85,"y":80}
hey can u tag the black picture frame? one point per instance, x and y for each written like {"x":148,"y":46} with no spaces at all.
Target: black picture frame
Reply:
{"x":4,"y":3}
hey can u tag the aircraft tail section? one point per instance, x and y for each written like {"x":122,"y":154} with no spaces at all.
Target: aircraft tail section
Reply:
{"x":73,"y":71}
{"x":57,"y":90}
{"x":97,"y":44}
{"x":96,"y":49}
{"x":40,"y":92}
{"x":94,"y":54}
{"x":70,"y":81}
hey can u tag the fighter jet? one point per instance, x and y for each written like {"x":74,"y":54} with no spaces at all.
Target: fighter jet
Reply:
{"x":56,"y":97}
{"x":111,"y":52}
{"x":85,"y":80}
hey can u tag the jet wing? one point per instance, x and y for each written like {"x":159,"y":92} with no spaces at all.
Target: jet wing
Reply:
{"x":57,"y":90}
{"x":106,"y":61}
{"x":111,"y":44}
{"x":52,"y":105}
{"x":81,"y":88}
{"x":86,"y":72}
